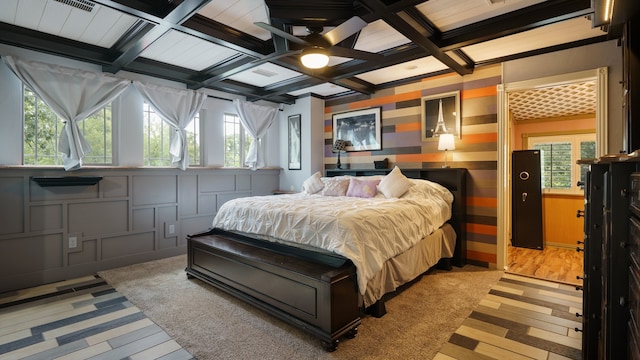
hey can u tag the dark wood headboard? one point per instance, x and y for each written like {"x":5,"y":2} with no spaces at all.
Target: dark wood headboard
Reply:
{"x":454,"y":179}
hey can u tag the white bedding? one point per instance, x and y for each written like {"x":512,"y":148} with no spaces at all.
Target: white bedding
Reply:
{"x":368,"y":231}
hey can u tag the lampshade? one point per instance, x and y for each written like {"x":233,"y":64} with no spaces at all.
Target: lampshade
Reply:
{"x":446,"y":142}
{"x":340,"y":145}
{"x":314,"y":57}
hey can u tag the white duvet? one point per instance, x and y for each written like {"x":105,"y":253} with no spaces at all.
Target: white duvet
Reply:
{"x":368,"y":231}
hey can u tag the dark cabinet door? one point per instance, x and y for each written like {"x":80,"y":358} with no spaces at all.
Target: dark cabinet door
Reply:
{"x":526,"y":221}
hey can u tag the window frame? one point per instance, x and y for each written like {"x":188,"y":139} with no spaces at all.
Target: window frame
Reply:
{"x":243,"y":138}
{"x":58,"y":128}
{"x":166,"y":157}
{"x":575,"y":138}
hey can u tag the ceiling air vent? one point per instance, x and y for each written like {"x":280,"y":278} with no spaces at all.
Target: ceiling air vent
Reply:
{"x":79,"y":4}
{"x":264,"y":72}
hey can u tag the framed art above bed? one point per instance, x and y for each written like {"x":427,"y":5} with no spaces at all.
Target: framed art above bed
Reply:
{"x":361,"y":129}
{"x":440,"y":114}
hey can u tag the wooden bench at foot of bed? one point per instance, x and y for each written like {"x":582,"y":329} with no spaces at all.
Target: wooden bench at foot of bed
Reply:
{"x":314,"y":292}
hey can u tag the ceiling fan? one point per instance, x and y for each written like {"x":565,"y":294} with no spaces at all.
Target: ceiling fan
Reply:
{"x":318,"y":47}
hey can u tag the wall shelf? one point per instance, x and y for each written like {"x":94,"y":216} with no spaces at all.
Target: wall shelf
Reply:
{"x":47,"y":181}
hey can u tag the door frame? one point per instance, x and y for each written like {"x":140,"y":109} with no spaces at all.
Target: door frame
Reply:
{"x":505,"y":141}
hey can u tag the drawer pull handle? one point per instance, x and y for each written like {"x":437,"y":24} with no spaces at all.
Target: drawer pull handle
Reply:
{"x":580,"y":213}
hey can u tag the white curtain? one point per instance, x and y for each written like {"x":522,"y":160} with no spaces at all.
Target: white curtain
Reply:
{"x":73,"y":95}
{"x":256,"y":119}
{"x":177,"y":107}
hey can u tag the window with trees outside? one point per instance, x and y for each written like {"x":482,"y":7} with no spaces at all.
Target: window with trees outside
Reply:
{"x":157,"y":139}
{"x":236,"y":141}
{"x":42,"y":130}
{"x":559,"y":154}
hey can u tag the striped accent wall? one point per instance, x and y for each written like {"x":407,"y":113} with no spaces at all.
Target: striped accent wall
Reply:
{"x":476,"y":149}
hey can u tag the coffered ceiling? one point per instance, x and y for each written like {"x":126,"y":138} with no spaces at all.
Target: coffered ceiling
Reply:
{"x":225,"y":45}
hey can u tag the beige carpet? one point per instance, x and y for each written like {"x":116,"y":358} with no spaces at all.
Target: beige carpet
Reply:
{"x":213,"y":325}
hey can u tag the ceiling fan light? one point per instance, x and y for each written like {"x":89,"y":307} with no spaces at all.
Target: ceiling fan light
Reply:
{"x":314,"y":57}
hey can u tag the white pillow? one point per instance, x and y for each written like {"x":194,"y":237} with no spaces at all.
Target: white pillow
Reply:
{"x":425,"y":189}
{"x":313,"y":184}
{"x":394,"y":184}
{"x":335,"y":186}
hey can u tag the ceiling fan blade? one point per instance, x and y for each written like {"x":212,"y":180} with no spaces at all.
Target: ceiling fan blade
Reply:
{"x":354,"y":54}
{"x":345,"y":30}
{"x":281,"y":33}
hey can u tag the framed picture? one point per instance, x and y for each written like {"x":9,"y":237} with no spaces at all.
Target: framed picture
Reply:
{"x":360,"y":129}
{"x":295,"y":156}
{"x":450,"y":121}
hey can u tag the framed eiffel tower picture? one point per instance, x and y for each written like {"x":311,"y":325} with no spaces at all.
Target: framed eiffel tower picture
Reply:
{"x":440,"y":115}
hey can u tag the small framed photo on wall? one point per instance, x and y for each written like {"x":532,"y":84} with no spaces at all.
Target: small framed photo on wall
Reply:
{"x":447,"y":104}
{"x":295,"y":146}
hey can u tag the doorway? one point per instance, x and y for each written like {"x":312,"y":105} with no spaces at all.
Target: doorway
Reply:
{"x":508,"y":139}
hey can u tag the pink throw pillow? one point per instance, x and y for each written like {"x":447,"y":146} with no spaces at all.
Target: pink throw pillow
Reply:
{"x":362,"y":188}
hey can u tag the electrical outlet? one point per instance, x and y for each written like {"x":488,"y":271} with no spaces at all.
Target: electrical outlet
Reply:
{"x":172,"y":229}
{"x":73,"y":242}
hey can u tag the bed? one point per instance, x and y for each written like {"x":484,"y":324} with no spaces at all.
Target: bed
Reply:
{"x":310,"y":259}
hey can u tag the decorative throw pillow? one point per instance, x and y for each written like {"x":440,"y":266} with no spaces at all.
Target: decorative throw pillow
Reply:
{"x":313,"y":184}
{"x":394,"y":184}
{"x":335,"y":186}
{"x":362,"y":188}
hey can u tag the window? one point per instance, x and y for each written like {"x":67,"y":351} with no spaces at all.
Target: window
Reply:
{"x":193,"y":139}
{"x":559,"y":154}
{"x":157,"y":139}
{"x":236,"y":141}
{"x":42,"y":130}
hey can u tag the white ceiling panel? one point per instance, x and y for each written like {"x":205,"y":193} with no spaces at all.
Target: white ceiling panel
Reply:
{"x":106,"y":27}
{"x":265,"y":74}
{"x":405,"y":70}
{"x":29,"y":13}
{"x":187,"y":51}
{"x":465,"y":12}
{"x":240,"y":15}
{"x":378,"y":36}
{"x":55,"y":16}
{"x":8,"y":13}
{"x":102,"y":26}
{"x":550,"y":35}
{"x":326,"y":89}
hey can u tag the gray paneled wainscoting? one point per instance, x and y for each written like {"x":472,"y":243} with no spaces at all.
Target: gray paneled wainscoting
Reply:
{"x":52,"y":233}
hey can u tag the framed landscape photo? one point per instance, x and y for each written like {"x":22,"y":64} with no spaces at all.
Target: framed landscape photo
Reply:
{"x":361,"y":129}
{"x":450,"y":103}
{"x":295,"y":146}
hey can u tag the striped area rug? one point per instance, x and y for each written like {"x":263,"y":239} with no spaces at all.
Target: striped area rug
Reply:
{"x":520,"y":318}
{"x":80,"y":319}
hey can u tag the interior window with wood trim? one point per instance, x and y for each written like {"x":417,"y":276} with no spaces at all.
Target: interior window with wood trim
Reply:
{"x":558,"y":157}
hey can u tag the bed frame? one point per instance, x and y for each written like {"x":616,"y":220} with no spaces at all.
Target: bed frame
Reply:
{"x":315,"y":292}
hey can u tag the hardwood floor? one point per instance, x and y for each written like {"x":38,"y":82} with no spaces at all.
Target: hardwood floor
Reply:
{"x":520,"y":318}
{"x":552,"y":263}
